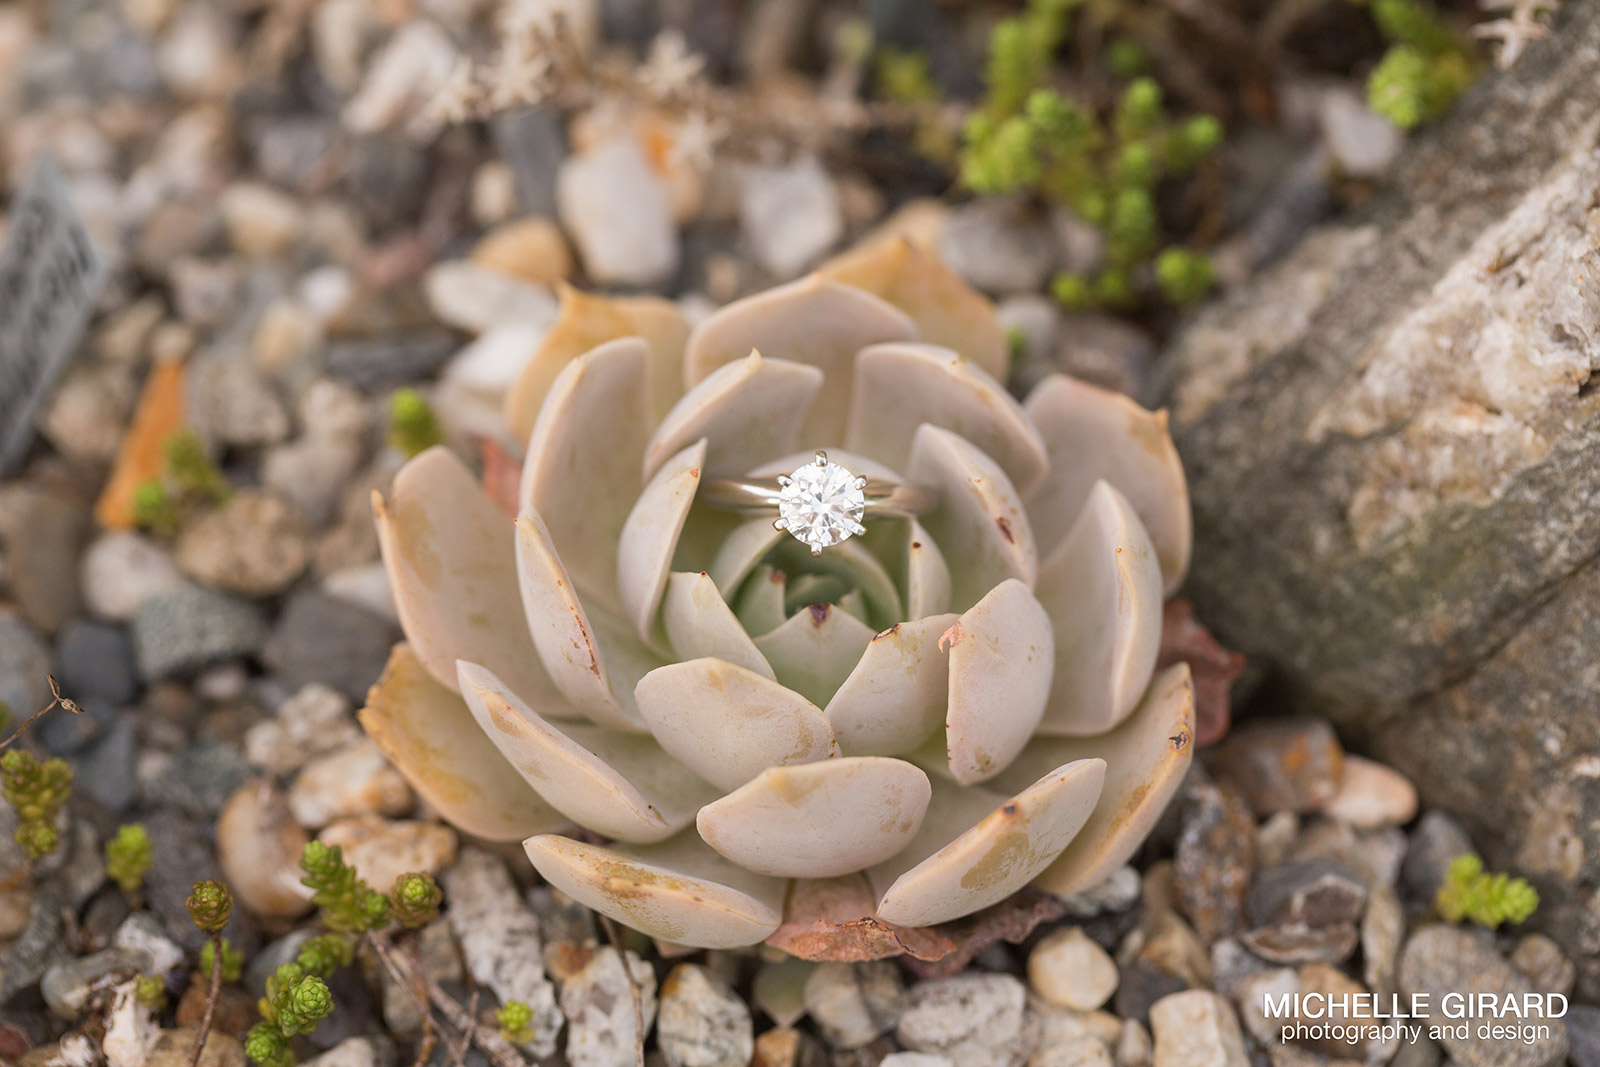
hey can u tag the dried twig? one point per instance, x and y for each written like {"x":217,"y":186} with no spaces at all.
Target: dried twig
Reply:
{"x":501,"y":1052}
{"x":633,"y":987}
{"x":57,"y":701}
{"x":430,"y":1029}
{"x":211,"y":997}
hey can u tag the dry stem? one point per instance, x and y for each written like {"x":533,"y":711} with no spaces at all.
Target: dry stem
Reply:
{"x":211,"y":997}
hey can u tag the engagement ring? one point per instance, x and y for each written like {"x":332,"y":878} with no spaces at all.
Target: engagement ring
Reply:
{"x":820,"y":503}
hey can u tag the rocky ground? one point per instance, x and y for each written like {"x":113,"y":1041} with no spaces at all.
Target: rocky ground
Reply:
{"x":295,"y":230}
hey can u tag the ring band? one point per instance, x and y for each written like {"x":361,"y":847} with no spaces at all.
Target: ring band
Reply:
{"x":820,"y":503}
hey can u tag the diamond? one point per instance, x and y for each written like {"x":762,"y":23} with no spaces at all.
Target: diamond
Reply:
{"x":821,"y":504}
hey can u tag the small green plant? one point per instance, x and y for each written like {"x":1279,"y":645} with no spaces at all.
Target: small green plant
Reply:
{"x":515,"y":1019}
{"x":1029,"y":137}
{"x":210,"y":906}
{"x":1471,"y":893}
{"x":416,"y":900}
{"x":232,"y":959}
{"x":128,"y":857}
{"x":154,"y":508}
{"x":151,"y":990}
{"x":191,"y":469}
{"x":348,"y":904}
{"x":37,"y":790}
{"x":413,"y":427}
{"x":906,"y":78}
{"x":1427,"y":66}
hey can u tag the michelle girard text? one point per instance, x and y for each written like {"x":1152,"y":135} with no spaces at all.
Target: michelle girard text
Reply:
{"x":1367,"y":1017}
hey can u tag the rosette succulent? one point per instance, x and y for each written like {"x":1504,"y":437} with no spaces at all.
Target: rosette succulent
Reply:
{"x":921,"y":720}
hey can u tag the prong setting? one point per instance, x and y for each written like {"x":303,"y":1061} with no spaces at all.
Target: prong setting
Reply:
{"x":821,"y":503}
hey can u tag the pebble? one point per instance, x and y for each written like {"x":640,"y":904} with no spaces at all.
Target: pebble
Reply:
{"x":131,"y":1030}
{"x":977,"y":1020}
{"x":1315,"y":892}
{"x":531,"y":248}
{"x":471,"y":395}
{"x":175,"y":1048}
{"x":1133,"y":1047}
{"x":96,"y":662}
{"x":1435,"y":841}
{"x":142,"y":932}
{"x":790,"y":214}
{"x":530,"y":142}
{"x":1281,"y":764}
{"x":316,"y":719}
{"x":67,"y":985}
{"x":1232,"y":964}
{"x":38,"y":945}
{"x":500,"y":941}
{"x":1109,"y":352}
{"x":1118,"y":893}
{"x":381,"y":850}
{"x":1034,"y":321}
{"x":121,"y":570}
{"x":1196,"y":1028}
{"x":619,"y":214}
{"x":24,"y":662}
{"x":1214,"y":858}
{"x":232,"y":402}
{"x":441,"y":962}
{"x":915,"y":1059}
{"x":1372,"y":795}
{"x":187,"y":627}
{"x":1383,"y":925}
{"x":42,"y":531}
{"x":998,"y":246}
{"x":1275,"y":838}
{"x":353,"y":781}
{"x":84,"y":419}
{"x":311,"y":473}
{"x":701,"y":1022}
{"x":181,"y":853}
{"x":1064,"y":1026}
{"x":1077,"y":1054}
{"x":476,"y":298}
{"x":1439,"y":960}
{"x":1583,"y":1028}
{"x":259,"y":846}
{"x":256,"y":544}
{"x":855,"y":1003}
{"x":355,"y":1052}
{"x":598,"y":1002}
{"x":1543,"y":963}
{"x":402,"y":78}
{"x":1363,"y":143}
{"x":106,"y":772}
{"x":322,"y":639}
{"x":1066,"y":968}
{"x":374,"y":364}
{"x":197,"y":780}
{"x":262,"y":222}
{"x":1376,"y":855}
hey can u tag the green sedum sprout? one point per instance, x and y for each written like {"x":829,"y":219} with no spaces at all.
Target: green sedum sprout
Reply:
{"x":1471,"y":893}
{"x":210,"y":906}
{"x":416,"y":899}
{"x":1426,"y":68}
{"x":516,"y":1022}
{"x":191,"y":469}
{"x":348,"y":904}
{"x":37,"y":791}
{"x":1184,"y":276}
{"x":413,"y":427}
{"x":232,"y":960}
{"x":154,"y":508}
{"x":151,"y":991}
{"x":128,"y":857}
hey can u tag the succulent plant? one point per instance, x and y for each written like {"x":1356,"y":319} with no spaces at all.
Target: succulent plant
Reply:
{"x":930,"y":715}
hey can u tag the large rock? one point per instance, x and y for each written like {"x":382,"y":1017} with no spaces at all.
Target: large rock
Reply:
{"x":1391,"y":439}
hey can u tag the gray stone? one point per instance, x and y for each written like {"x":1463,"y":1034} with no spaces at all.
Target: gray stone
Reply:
{"x":38,"y":945}
{"x":42,"y":531}
{"x":1281,"y":764}
{"x":1214,"y":858}
{"x":255,"y":545}
{"x":181,"y":854}
{"x":64,"y":734}
{"x":379,"y":363}
{"x":197,"y":780}
{"x":619,"y":214}
{"x":1436,"y":840}
{"x":500,"y":941}
{"x":1440,"y":960}
{"x":1583,"y":1028}
{"x":853,"y":1004}
{"x":96,"y":662}
{"x":1544,"y":964}
{"x":320,"y":638}
{"x":998,"y":246}
{"x":1382,"y":928}
{"x":1295,"y":942}
{"x":187,"y":627}
{"x":1405,"y":540}
{"x":121,"y":570}
{"x":233,"y":403}
{"x":531,"y":144}
{"x":977,"y":1020}
{"x":1315,"y":892}
{"x":106,"y":772}
{"x":701,"y":1022}
{"x":1108,"y":351}
{"x":24,"y":662}
{"x":355,"y":1052}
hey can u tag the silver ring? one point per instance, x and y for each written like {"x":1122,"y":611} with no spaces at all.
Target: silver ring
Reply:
{"x":819,"y":503}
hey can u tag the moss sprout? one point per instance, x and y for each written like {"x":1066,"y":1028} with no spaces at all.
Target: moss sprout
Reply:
{"x":232,"y":960}
{"x":1426,"y":68}
{"x":348,"y":904}
{"x":515,"y":1019}
{"x":210,"y":906}
{"x":416,"y":898}
{"x":151,"y":991}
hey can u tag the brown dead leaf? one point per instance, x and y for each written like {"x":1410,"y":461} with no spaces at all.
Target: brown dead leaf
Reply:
{"x":831,"y":919}
{"x":1212,"y":668}
{"x":1012,"y":920}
